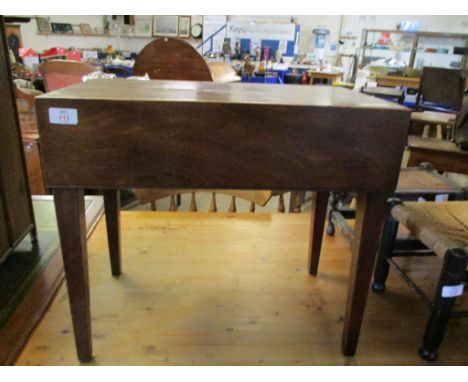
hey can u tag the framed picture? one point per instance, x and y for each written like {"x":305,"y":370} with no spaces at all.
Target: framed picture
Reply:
{"x":184,"y":26}
{"x":43,"y":24}
{"x":126,"y":30}
{"x":62,"y":28}
{"x":14,"y":41}
{"x":86,"y":29}
{"x":143,"y":26}
{"x":166,"y":26}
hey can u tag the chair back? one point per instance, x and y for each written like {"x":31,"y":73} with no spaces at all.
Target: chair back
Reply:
{"x":59,"y":74}
{"x":441,"y":86}
{"x":254,"y":198}
{"x":171,"y":59}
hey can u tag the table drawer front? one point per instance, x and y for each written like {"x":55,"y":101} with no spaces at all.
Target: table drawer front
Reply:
{"x":180,"y":145}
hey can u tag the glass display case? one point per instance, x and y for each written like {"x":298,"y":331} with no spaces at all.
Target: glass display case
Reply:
{"x":391,"y":49}
{"x":439,"y":50}
{"x":394,"y":49}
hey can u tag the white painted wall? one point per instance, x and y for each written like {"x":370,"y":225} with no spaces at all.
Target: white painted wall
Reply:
{"x":41,"y":42}
{"x":353,"y":24}
{"x":448,"y":24}
{"x":307,"y":23}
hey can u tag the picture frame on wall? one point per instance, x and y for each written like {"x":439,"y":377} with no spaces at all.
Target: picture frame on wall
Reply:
{"x":143,"y":26}
{"x":167,"y":26}
{"x":126,"y":30}
{"x":184,"y":26}
{"x":86,"y":29}
{"x":62,"y":28}
{"x":43,"y":25}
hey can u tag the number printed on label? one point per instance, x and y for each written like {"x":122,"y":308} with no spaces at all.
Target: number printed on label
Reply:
{"x":452,"y":290}
{"x":62,"y":116}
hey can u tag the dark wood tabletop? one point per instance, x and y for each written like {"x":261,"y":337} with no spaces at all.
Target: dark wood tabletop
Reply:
{"x":201,"y":135}
{"x":201,"y":91}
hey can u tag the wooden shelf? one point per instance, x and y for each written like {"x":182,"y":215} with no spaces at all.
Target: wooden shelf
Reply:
{"x":442,"y":53}
{"x":88,"y":35}
{"x":72,"y":34}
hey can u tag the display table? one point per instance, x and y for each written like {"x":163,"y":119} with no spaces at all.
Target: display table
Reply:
{"x":201,"y":135}
{"x":327,"y":76}
{"x":394,"y":81}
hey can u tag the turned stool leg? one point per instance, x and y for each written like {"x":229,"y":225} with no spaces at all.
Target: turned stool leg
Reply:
{"x":450,"y":286}
{"x":332,"y":203}
{"x":389,"y":234}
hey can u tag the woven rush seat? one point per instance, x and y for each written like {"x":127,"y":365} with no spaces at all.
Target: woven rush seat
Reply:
{"x":439,"y":226}
{"x":442,"y":227}
{"x":417,"y":179}
{"x":413,"y":183}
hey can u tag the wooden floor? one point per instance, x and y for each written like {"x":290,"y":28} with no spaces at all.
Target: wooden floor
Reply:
{"x":227,"y":289}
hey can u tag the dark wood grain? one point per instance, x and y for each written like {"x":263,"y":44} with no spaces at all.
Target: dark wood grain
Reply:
{"x":182,"y":142}
{"x":370,"y":213}
{"x":69,"y":206}
{"x":317,"y":224}
{"x":112,"y":207}
{"x":171,"y":59}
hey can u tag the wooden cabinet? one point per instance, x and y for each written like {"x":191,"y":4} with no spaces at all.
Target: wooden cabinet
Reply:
{"x":16,"y":214}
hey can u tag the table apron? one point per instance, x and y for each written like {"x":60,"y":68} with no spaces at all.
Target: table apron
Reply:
{"x":216,"y":145}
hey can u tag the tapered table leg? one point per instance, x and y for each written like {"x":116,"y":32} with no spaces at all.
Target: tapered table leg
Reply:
{"x":112,"y":209}
{"x":317,"y":224}
{"x":370,"y":215}
{"x":70,"y":210}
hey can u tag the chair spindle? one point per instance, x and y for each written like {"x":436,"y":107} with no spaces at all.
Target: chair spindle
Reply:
{"x":193,"y":203}
{"x":173,"y":206}
{"x":281,"y":204}
{"x":213,"y":207}
{"x":232,"y":206}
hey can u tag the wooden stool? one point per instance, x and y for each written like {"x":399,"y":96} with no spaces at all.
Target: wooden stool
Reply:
{"x":433,"y":119}
{"x":443,"y":229}
{"x":413,"y":183}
